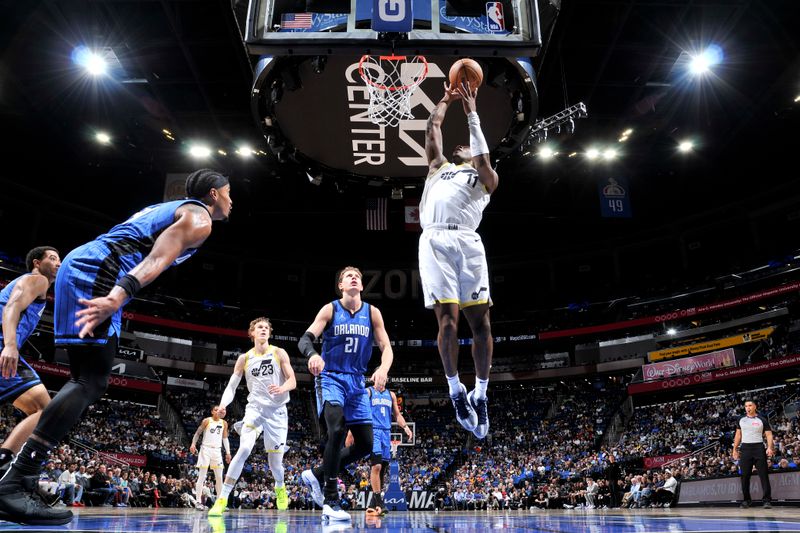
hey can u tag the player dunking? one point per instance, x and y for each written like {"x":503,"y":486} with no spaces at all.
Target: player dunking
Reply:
{"x":452,"y":260}
{"x":215,"y":435}
{"x":269,"y":377}
{"x":22,"y":303}
{"x":348,"y":327}
{"x":384,"y":407}
{"x":93,"y":284}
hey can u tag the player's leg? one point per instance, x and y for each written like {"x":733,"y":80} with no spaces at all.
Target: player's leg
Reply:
{"x":438,"y":271}
{"x":475,"y":303}
{"x":90,"y":367}
{"x":358,"y":418}
{"x":247,"y":441}
{"x":202,"y":473}
{"x":376,"y":505}
{"x":31,"y":402}
{"x":276,"y":431}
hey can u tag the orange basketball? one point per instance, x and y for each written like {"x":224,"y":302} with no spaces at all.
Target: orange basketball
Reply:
{"x":466,"y":70}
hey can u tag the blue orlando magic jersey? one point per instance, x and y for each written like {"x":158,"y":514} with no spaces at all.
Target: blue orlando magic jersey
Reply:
{"x":30,"y":317}
{"x":347,"y":341}
{"x":92,"y":270}
{"x":381,"y":403}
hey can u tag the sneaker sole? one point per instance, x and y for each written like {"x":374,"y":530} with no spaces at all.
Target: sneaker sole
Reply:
{"x":477,"y":426}
{"x":36,"y":521}
{"x":310,"y":484}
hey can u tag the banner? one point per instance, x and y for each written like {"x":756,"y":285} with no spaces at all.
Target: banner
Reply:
{"x":785,"y":487}
{"x":715,"y":375}
{"x":183,"y":382}
{"x":412,"y":214}
{"x":130,"y":458}
{"x":673,"y":315}
{"x":702,"y":347}
{"x":660,"y":460}
{"x":689,"y":365}
{"x":174,"y":187}
{"x":115,"y":380}
{"x":614,"y":199}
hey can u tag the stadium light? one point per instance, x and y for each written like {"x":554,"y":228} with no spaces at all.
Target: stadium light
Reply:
{"x":546,"y":153}
{"x":102,"y":137}
{"x":671,"y":331}
{"x":244,"y":151}
{"x":94,"y":63}
{"x":199,"y":151}
{"x":702,"y":62}
{"x":609,"y":154}
{"x":686,"y":146}
{"x":592,"y":153}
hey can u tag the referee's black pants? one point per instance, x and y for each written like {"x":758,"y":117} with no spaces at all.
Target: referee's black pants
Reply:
{"x":754,"y":454}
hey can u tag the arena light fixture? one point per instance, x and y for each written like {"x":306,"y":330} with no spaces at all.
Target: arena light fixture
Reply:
{"x":609,"y":154}
{"x":702,"y":62}
{"x":671,"y":331}
{"x":199,"y":151}
{"x":244,"y":151}
{"x":685,"y":146}
{"x":547,"y":153}
{"x":592,"y":154}
{"x":797,"y":98}
{"x":102,"y":137}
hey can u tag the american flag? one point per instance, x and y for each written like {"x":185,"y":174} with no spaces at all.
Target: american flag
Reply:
{"x":376,"y":214}
{"x":296,"y":21}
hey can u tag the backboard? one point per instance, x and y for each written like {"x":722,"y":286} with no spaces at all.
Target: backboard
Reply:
{"x":311,"y":103}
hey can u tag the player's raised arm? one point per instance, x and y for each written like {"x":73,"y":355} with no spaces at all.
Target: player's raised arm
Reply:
{"x":477,"y":142}
{"x":433,"y":130}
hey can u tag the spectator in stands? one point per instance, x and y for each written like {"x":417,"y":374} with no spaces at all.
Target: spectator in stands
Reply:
{"x":73,"y":490}
{"x":101,"y":483}
{"x":665,"y":495}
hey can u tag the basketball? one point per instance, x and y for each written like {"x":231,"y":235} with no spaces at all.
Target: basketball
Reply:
{"x":466,"y":69}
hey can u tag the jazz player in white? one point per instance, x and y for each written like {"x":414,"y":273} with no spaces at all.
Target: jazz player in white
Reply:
{"x":269,"y":377}
{"x":215,"y":435}
{"x":452,"y":260}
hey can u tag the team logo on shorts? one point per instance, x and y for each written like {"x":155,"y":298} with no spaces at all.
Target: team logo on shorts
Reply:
{"x":476,"y":294}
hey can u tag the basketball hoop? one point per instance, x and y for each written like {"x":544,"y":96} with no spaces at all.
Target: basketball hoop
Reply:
{"x":391,"y":80}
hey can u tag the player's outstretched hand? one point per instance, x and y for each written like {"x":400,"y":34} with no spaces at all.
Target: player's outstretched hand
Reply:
{"x":193,"y":449}
{"x":315,"y":365}
{"x":450,"y":94}
{"x":95,"y":312}
{"x":468,"y":96}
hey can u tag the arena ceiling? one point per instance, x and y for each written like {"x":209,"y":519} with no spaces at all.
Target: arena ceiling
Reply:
{"x":180,"y":67}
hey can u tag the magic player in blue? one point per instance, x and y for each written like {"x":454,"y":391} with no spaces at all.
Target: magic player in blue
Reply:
{"x":22,"y":303}
{"x":348,"y":327}
{"x":384,"y":406}
{"x":93,"y":284}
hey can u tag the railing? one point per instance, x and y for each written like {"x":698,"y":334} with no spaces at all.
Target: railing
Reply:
{"x":172,"y":419}
{"x":104,"y":455}
{"x":696,"y":452}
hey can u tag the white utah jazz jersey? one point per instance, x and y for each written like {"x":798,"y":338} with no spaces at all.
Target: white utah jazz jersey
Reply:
{"x":453,"y":195}
{"x":261,"y":371}
{"x":212,"y":436}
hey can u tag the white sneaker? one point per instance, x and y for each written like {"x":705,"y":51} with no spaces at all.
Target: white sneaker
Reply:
{"x":482,"y":412}
{"x":465,"y":413}
{"x":335,"y":512}
{"x":310,"y":481}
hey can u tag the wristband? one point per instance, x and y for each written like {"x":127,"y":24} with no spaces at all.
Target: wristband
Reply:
{"x":130,"y":285}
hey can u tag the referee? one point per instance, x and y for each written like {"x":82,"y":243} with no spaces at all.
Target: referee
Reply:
{"x":750,"y":434}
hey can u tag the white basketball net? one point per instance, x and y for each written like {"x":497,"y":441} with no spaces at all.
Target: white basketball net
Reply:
{"x":391,"y":80}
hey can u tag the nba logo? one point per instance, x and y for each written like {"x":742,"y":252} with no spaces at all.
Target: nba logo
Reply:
{"x":494,"y":16}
